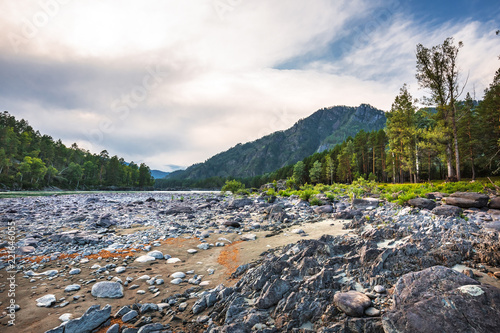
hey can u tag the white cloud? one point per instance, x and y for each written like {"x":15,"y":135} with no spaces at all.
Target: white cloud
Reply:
{"x":218,"y":83}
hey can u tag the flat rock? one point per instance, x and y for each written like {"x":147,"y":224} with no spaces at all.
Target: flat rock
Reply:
{"x":467,"y":200}
{"x":46,"y":301}
{"x":107,"y":289}
{"x":72,"y":287}
{"x":248,"y":237}
{"x":447,"y":210}
{"x":439,"y":299}
{"x":179,"y":210}
{"x":173,"y":260}
{"x":75,"y":271}
{"x":232,"y":224}
{"x":325,"y":209}
{"x":352,"y":303}
{"x":422,"y":203}
{"x":178,"y":275}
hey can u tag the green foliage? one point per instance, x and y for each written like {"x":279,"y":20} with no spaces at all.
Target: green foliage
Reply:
{"x":232,"y":186}
{"x":299,"y":173}
{"x":315,"y":202}
{"x":315,"y":172}
{"x":29,"y":160}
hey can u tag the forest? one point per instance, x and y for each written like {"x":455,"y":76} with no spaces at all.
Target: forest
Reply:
{"x":30,"y":160}
{"x":449,"y":137}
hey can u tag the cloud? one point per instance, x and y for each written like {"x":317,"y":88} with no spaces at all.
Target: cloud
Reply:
{"x":173,"y":83}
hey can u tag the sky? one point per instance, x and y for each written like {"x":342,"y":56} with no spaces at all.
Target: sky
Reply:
{"x":172,"y":83}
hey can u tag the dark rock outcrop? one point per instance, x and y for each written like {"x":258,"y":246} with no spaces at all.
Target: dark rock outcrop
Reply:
{"x":447,"y":210}
{"x":439,"y":299}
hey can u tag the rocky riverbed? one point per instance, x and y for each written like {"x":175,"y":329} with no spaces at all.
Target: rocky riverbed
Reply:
{"x":202,"y":262}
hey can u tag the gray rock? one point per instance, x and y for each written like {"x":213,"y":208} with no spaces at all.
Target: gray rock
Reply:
{"x":272,"y":293}
{"x":494,"y":203}
{"x":153,"y":327}
{"x":447,"y":210}
{"x":467,"y":200}
{"x":326,"y":209}
{"x":115,"y":328}
{"x":72,"y":287}
{"x":148,"y":307}
{"x":129,"y":316}
{"x":352,"y":303}
{"x":46,"y":301}
{"x":439,"y":299}
{"x":232,"y":224}
{"x":422,"y":203}
{"x":145,"y":258}
{"x":75,"y":271}
{"x":156,"y":254}
{"x":239,"y":203}
{"x":365,"y":203}
{"x":179,"y":210}
{"x":107,"y":289}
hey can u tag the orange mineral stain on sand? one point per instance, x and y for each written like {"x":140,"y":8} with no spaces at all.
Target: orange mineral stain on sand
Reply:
{"x":229,"y":257}
{"x":114,"y":321}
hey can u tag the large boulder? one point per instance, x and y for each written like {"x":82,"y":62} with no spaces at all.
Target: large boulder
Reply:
{"x":467,"y":200}
{"x":447,"y":210}
{"x":325,"y":209}
{"x":239,"y":203}
{"x":352,"y":303}
{"x":439,"y":299}
{"x":179,"y":210}
{"x":494,"y":203}
{"x":366,"y":203}
{"x":422,"y":203}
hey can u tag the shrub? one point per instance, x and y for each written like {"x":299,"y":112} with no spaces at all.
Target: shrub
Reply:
{"x":315,"y":202}
{"x":233,"y":186}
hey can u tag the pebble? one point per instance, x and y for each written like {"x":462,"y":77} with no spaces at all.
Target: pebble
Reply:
{"x":75,"y":271}
{"x":120,"y":269}
{"x":46,"y":301}
{"x":173,"y":260}
{"x":178,"y":275}
{"x":176,"y":281}
{"x":66,"y":317}
{"x":192,"y":251}
{"x":145,"y":258}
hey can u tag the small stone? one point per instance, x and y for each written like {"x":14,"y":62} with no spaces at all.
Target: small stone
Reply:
{"x":65,"y":317}
{"x":173,"y":260}
{"x":203,"y":246}
{"x":46,"y":301}
{"x":249,"y":237}
{"x":372,"y":312}
{"x":178,"y":275}
{"x":120,"y":269}
{"x":176,"y":281}
{"x":379,"y":289}
{"x":75,"y":271}
{"x":192,"y":251}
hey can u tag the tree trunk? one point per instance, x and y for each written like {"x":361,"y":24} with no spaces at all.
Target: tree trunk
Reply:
{"x":455,"y":141}
{"x":393,"y":170}
{"x":451,"y":172}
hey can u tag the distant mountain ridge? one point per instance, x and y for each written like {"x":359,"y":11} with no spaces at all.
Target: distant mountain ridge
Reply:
{"x":323,"y":129}
{"x":158,"y":174}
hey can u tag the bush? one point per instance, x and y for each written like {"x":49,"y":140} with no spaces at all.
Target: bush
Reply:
{"x":233,"y":186}
{"x":315,"y":202}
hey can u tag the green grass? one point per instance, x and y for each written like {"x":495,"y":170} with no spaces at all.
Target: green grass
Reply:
{"x":399,"y":193}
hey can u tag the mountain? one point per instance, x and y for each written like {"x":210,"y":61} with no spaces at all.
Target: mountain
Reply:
{"x":322,"y":130}
{"x":157,"y":174}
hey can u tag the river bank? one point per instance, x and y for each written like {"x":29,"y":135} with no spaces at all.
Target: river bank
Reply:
{"x":186,"y":261}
